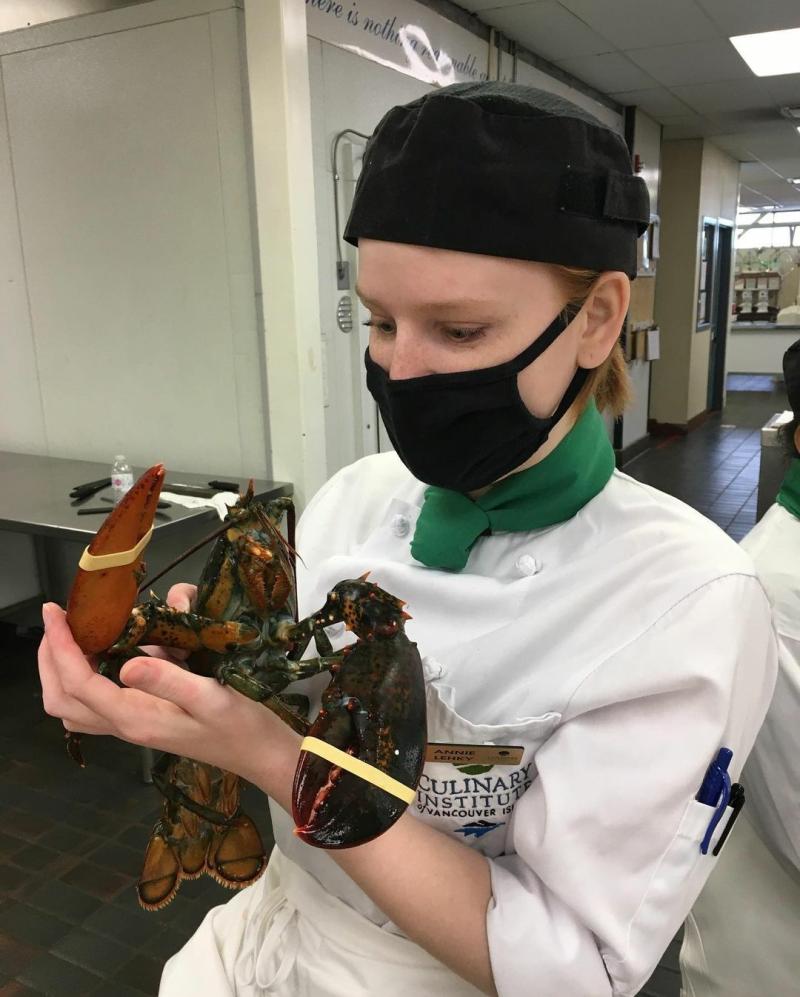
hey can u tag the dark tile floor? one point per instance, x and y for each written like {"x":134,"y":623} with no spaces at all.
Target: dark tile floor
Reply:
{"x":714,"y":469}
{"x":71,"y":844}
{"x":71,"y":841}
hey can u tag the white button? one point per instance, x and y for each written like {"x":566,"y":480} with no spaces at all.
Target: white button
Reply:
{"x":400,"y":526}
{"x":527,"y":565}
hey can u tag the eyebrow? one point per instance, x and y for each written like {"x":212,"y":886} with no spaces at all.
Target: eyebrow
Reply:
{"x":431,"y":306}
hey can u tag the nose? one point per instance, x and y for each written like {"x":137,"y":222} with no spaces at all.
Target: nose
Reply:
{"x":408,"y":356}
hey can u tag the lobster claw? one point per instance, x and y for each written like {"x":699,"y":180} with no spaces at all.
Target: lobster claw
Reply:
{"x":333,"y":808}
{"x":101,"y":600}
{"x":361,"y":761}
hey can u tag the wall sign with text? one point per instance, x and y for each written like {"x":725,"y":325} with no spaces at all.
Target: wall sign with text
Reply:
{"x":404,"y":36}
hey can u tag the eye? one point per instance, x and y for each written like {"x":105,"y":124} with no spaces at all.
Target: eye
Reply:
{"x":382,"y":326}
{"x":458,"y":335}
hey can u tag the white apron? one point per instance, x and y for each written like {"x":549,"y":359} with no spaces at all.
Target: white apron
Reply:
{"x":289,"y":936}
{"x":750,"y":895}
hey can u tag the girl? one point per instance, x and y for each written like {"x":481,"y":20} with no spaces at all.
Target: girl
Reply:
{"x":608,"y":634}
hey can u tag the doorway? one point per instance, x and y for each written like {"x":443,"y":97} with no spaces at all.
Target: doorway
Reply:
{"x":720,"y":314}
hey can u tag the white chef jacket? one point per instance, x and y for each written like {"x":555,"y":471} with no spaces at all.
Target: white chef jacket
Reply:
{"x":742,"y":936}
{"x":620,"y":649}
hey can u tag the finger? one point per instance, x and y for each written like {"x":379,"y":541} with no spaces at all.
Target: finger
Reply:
{"x":74,"y":671}
{"x":55,"y":701}
{"x":182,"y":596}
{"x":94,"y":703}
{"x":48,"y":674}
{"x":50,"y":677}
{"x":167,"y":653}
{"x":84,"y":689}
{"x":72,"y":726}
{"x":195,"y":694}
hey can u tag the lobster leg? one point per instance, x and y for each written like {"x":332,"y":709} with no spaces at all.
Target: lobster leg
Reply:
{"x":156,"y":623}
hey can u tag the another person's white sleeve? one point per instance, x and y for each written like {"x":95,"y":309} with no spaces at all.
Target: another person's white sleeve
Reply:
{"x":772,"y":774}
{"x":608,"y":859}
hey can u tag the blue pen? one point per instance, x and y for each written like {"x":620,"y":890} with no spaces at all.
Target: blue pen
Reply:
{"x":715,"y":791}
{"x":714,"y":779}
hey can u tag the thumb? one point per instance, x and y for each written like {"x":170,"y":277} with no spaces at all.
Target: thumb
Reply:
{"x":182,"y":596}
{"x":166,"y":680}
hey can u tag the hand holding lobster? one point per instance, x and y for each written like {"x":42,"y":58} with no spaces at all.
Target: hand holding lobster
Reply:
{"x":359,"y":765}
{"x":161,"y":706}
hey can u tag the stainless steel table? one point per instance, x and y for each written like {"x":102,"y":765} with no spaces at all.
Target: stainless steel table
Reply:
{"x":34,"y":496}
{"x":34,"y":499}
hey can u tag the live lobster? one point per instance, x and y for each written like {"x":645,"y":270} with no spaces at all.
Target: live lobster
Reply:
{"x":363,"y":754}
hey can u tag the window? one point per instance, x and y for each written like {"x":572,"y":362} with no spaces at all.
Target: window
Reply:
{"x":707,"y":248}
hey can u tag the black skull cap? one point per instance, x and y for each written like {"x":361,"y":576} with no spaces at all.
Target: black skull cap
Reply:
{"x":503,"y":170}
{"x":791,"y":375}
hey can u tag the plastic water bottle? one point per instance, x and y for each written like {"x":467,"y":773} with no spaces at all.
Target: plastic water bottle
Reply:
{"x":121,"y":477}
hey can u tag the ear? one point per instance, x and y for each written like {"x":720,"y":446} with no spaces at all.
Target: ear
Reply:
{"x":602,"y":316}
{"x":797,"y":438}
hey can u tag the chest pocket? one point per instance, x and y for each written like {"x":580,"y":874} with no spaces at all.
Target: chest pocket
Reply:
{"x":474,"y":802}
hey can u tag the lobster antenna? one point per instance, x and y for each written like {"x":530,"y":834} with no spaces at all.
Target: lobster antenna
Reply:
{"x":182,"y":557}
{"x":268,"y":525}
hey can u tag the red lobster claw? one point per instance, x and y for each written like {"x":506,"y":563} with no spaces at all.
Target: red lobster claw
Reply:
{"x":101,"y":600}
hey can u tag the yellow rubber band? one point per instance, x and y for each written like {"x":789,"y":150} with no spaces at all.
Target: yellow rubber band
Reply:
{"x":363,"y":770}
{"x":97,"y":562}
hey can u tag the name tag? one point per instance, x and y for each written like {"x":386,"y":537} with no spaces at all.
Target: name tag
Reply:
{"x":474,"y":754}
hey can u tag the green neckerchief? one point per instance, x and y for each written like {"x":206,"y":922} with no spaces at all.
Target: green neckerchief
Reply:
{"x":789,"y":495}
{"x":551,"y":491}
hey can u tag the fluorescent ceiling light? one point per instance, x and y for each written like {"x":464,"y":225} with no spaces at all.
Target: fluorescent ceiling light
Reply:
{"x":770,"y":53}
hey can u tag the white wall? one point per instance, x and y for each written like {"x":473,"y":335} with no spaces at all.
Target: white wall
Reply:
{"x":719,"y":194}
{"x":647,"y":145}
{"x":347,"y":91}
{"x":128,"y":300}
{"x":699,"y":180}
{"x":760,"y":351}
{"x":676,"y":302}
{"x":412,"y":38}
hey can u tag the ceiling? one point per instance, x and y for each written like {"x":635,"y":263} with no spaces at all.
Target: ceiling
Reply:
{"x":673,"y":59}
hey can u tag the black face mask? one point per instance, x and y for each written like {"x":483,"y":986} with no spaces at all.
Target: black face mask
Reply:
{"x":464,"y":430}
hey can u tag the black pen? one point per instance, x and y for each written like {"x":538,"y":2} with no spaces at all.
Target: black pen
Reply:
{"x":737,"y":801}
{"x":97,"y":509}
{"x":81,"y":491}
{"x":199,"y":491}
{"x":161,"y":503}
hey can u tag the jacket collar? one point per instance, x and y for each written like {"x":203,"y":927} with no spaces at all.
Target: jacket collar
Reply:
{"x":789,"y":495}
{"x":550,"y":492}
